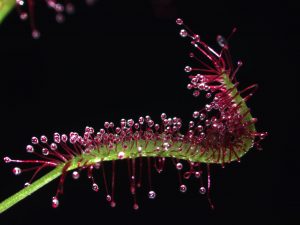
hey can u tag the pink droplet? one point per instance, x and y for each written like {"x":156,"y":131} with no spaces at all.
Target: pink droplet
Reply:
{"x":113,"y":204}
{"x":95,"y":187}
{"x":183,"y":188}
{"x":197,"y":174}
{"x":17,"y":171}
{"x":34,"y":140}
{"x":64,"y":138}
{"x":35,"y":34}
{"x":163,"y":116}
{"x":44,"y":139}
{"x":55,"y":202}
{"x":53,"y":146}
{"x":29,"y":148}
{"x":183,"y":33}
{"x":121,"y":155}
{"x":179,"y":21}
{"x":135,"y":206}
{"x":23,"y":16}
{"x":56,"y":138}
{"x":152,"y":194}
{"x":45,"y":151}
{"x":7,"y":159}
{"x":75,"y":175}
{"x":187,"y":69}
{"x":202,"y":190}
{"x":108,"y":198}
{"x":179,"y":166}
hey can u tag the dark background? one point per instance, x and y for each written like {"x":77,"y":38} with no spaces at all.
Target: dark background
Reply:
{"x":125,"y":59}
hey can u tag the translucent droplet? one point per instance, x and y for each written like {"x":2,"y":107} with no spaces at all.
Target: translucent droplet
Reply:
{"x":26,"y":184}
{"x":202,"y":135}
{"x":183,"y":188}
{"x":121,"y":155}
{"x":106,"y":125}
{"x":179,"y":21}
{"x":23,"y":16}
{"x":189,"y":86}
{"x":152,"y":195}
{"x":202,"y":190}
{"x":135,"y":206}
{"x":7,"y":159}
{"x":64,"y":138}
{"x":263,"y":135}
{"x":20,"y":2}
{"x":201,"y":86}
{"x":34,"y":140}
{"x":191,"y":124}
{"x":113,"y":204}
{"x":75,"y":175}
{"x":187,"y":69}
{"x":148,"y":118}
{"x":29,"y":148}
{"x":56,"y":137}
{"x":183,"y":33}
{"x":45,"y":151}
{"x":141,"y":120}
{"x":17,"y":171}
{"x":200,"y":128}
{"x":95,"y":187}
{"x":208,"y":107}
{"x":55,"y":202}
{"x":163,"y":116}
{"x":196,"y":37}
{"x":139,"y":149}
{"x":35,"y":34}
{"x":202,"y":116}
{"x":59,"y":7}
{"x":44,"y":139}
{"x":196,"y":114}
{"x":108,"y":198}
{"x":166,"y":146}
{"x":222,"y":41}
{"x":197,"y":174}
{"x":196,"y":93}
{"x":179,"y":166}
{"x":53,"y":146}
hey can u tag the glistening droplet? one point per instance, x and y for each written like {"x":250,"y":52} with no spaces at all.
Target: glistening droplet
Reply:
{"x":202,"y":190}
{"x":55,"y":202}
{"x":183,"y":188}
{"x":17,"y":171}
{"x":151,"y":194}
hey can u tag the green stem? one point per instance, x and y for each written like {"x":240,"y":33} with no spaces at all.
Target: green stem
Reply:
{"x":17,"y":197}
{"x":5,"y":7}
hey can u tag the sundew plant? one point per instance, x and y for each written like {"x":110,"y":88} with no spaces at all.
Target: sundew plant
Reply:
{"x":218,"y":133}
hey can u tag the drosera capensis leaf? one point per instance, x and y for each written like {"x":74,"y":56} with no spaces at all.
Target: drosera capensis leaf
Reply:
{"x":221,"y":132}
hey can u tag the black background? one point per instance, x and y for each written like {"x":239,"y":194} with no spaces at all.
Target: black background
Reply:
{"x":125,"y":59}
